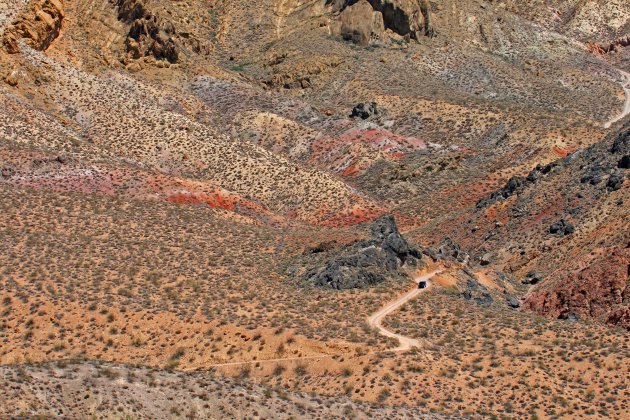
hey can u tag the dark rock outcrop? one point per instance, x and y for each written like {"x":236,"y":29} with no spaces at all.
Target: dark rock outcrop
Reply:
{"x":532,"y":278}
{"x":363,"y":263}
{"x":621,"y":144}
{"x":562,"y":227}
{"x":615,"y":182}
{"x":364,"y":110}
{"x":516,"y":185}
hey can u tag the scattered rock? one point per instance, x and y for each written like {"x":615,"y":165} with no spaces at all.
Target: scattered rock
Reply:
{"x":514,"y":185}
{"x":447,"y":250}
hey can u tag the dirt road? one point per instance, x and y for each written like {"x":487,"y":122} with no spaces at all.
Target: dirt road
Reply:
{"x":405,"y":343}
{"x":375,"y":320}
{"x":626,"y":107}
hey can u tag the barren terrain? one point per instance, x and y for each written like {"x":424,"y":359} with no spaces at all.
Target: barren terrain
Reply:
{"x":221,"y":209}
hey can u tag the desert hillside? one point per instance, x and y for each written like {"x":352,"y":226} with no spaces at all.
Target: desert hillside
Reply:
{"x":315,"y":208}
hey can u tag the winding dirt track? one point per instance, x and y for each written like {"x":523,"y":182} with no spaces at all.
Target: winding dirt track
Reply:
{"x":406,"y":343}
{"x":375,"y":320}
{"x":626,"y":107}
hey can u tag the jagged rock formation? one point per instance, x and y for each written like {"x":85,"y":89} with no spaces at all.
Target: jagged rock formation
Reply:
{"x":149,"y":35}
{"x":360,"y":23}
{"x":364,"y":20}
{"x":364,"y":263}
{"x":38,"y":27}
{"x":516,"y":184}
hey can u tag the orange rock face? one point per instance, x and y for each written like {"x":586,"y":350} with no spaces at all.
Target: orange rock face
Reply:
{"x":39,"y":27}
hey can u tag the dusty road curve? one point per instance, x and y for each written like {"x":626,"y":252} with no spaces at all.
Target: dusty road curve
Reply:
{"x":626,"y":107}
{"x":406,"y":343}
{"x":376,"y":319}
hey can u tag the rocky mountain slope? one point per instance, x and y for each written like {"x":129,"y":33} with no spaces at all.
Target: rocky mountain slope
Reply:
{"x":566,"y":221}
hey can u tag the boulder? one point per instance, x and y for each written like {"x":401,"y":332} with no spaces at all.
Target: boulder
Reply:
{"x":513,"y":302}
{"x":12,"y":78}
{"x":477,"y":292}
{"x":364,"y":110}
{"x":533,"y":277}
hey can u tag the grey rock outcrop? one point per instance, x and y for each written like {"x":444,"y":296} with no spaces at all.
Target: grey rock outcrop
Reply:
{"x":363,"y":263}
